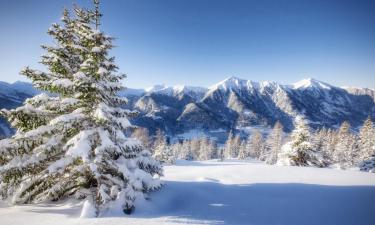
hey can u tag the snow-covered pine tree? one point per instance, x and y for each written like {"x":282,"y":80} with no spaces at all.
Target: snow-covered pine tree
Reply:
{"x":329,"y":144}
{"x":206,"y":150}
{"x":186,"y":152}
{"x":255,"y":144}
{"x":227,"y":151}
{"x":346,"y":149}
{"x":274,"y":143}
{"x":299,"y":151}
{"x":323,"y":141}
{"x":195,"y":148}
{"x":366,"y":140}
{"x":243,"y":153}
{"x":367,"y":146}
{"x":232,"y":146}
{"x":177,"y":148}
{"x":72,"y":142}
{"x":164,"y":152}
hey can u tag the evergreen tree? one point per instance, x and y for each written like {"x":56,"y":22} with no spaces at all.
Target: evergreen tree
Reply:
{"x":346,"y":151}
{"x":186,"y":152}
{"x":73,"y":141}
{"x":274,"y":143}
{"x":255,"y":145}
{"x":158,"y":138}
{"x":329,"y":145}
{"x":366,"y":140}
{"x":319,"y":140}
{"x":232,"y":146}
{"x":206,"y":149}
{"x":299,"y":151}
{"x":195,"y":148}
{"x":367,"y":146}
{"x":164,"y":152}
{"x":243,"y":152}
{"x":228,"y":149}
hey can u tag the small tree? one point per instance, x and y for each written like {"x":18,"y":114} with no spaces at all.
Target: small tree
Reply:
{"x":227,"y":151}
{"x":186,"y":152}
{"x":299,"y":151}
{"x":243,"y":152}
{"x":321,"y":142}
{"x":255,"y":145}
{"x":164,"y":152}
{"x":207,"y":149}
{"x":274,"y":143}
{"x":346,"y":151}
{"x":366,"y":140}
{"x":232,"y":146}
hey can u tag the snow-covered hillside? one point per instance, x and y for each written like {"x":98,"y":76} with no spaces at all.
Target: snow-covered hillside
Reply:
{"x":233,"y":103}
{"x":233,"y":192}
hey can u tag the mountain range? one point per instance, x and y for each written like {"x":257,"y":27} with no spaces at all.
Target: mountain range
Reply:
{"x":232,"y":104}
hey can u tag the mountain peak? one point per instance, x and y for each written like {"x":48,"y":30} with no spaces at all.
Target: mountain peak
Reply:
{"x":230,"y":83}
{"x":185,"y":88}
{"x":311,"y":83}
{"x":156,"y":87}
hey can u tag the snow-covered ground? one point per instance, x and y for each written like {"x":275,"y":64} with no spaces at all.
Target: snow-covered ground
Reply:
{"x":233,"y":192}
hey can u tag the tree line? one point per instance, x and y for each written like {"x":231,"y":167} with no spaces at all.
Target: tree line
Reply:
{"x":342,"y":147}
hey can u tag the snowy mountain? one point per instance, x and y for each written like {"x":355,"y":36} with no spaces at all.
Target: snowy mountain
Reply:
{"x":242,"y":104}
{"x":231,"y":104}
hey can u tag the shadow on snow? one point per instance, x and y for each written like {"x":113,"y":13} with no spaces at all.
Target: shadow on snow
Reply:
{"x":258,"y":204}
{"x":263,"y":204}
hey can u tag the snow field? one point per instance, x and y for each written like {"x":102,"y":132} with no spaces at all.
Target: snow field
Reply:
{"x":231,"y":192}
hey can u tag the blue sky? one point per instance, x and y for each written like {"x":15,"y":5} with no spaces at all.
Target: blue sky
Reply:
{"x":200,"y":42}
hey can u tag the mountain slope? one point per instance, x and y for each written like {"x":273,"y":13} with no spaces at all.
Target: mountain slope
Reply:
{"x":231,"y":104}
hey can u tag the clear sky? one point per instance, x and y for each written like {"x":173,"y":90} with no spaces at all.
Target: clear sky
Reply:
{"x":200,"y":42}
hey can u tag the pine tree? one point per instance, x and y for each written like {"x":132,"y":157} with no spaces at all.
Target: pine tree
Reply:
{"x":186,"y":152}
{"x":329,"y":145}
{"x":195,"y":148}
{"x":366,"y":140}
{"x":346,"y":151}
{"x":206,"y":149}
{"x":227,"y":151}
{"x":299,"y":151}
{"x":274,"y":143}
{"x":325,"y":141}
{"x":72,"y":141}
{"x":232,"y":146}
{"x":367,"y":146}
{"x":164,"y":152}
{"x":255,"y":145}
{"x":243,"y":152}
